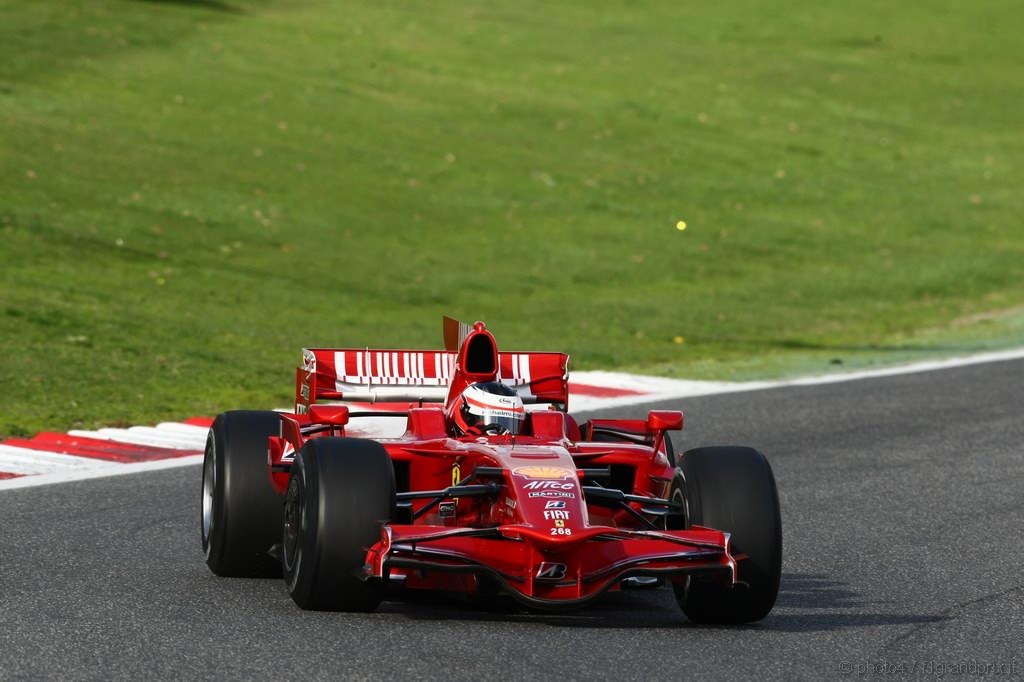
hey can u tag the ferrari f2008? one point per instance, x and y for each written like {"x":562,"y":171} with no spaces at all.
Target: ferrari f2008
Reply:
{"x":487,"y":485}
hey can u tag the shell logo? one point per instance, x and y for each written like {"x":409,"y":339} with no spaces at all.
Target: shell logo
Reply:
{"x":543,"y":472}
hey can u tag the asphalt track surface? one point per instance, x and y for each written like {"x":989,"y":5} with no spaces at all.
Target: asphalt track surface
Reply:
{"x":903,"y":511}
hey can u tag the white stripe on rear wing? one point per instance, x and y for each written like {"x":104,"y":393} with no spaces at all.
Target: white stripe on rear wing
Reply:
{"x":369,"y":375}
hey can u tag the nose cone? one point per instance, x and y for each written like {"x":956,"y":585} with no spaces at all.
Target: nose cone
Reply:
{"x":550,"y":499}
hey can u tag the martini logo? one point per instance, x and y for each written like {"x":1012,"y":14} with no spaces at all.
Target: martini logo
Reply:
{"x":542,"y":472}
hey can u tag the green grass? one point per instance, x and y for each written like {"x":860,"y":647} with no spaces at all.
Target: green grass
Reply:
{"x":191,"y":191}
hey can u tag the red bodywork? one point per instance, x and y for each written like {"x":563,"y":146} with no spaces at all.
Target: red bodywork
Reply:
{"x":555,"y":516}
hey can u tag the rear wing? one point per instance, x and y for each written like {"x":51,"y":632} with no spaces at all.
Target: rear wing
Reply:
{"x":367,"y":375}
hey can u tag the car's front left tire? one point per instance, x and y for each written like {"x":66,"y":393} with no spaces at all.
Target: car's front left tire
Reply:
{"x":731,"y":489}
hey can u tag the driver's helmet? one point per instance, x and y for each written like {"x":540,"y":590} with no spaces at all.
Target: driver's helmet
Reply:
{"x":489,"y":407}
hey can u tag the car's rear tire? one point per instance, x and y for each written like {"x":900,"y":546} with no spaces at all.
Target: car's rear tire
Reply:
{"x":732,"y":489}
{"x":241,"y":512}
{"x":339,"y":492}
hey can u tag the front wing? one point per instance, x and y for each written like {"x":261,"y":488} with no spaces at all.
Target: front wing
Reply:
{"x":547,"y":572}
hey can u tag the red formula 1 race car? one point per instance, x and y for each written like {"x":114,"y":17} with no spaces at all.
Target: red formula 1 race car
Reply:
{"x":492,"y":487}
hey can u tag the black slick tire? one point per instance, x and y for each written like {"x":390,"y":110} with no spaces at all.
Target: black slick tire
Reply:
{"x":339,"y":493}
{"x":241,"y":512}
{"x":732,"y":489}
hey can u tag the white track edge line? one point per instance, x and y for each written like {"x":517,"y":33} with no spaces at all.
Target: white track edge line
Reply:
{"x":100,"y":472}
{"x":671,"y":389}
{"x":693,"y":389}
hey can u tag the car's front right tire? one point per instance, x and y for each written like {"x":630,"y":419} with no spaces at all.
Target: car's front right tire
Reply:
{"x":339,"y":493}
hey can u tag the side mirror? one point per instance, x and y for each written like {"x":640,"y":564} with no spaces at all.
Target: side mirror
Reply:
{"x":664,"y":420}
{"x":335,"y":415}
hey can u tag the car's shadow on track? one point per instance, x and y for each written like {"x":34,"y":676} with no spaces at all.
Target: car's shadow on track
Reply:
{"x":811,"y":602}
{"x":806,"y":603}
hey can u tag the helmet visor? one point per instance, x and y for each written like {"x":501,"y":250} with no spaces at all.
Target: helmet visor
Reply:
{"x":500,"y":421}
{"x":505,"y":417}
